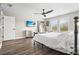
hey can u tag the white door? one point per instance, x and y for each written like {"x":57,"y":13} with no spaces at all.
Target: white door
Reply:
{"x":9,"y":28}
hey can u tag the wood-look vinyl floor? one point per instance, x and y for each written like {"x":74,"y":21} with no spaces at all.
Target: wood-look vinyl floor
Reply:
{"x":25,"y":47}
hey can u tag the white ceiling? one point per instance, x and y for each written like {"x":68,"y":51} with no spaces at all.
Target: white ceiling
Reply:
{"x":24,"y":10}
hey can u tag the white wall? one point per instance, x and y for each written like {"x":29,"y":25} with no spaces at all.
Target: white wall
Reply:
{"x":20,"y":25}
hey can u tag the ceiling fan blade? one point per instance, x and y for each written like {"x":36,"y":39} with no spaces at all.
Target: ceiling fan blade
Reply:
{"x":48,"y":11}
{"x":37,"y":13}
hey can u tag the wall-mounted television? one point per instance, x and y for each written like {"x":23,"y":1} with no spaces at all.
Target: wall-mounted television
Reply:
{"x":30,"y":23}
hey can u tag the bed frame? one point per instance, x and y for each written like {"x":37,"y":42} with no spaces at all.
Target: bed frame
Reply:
{"x":75,"y":36}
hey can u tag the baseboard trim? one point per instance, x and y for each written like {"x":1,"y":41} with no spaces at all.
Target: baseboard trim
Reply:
{"x":13,"y":39}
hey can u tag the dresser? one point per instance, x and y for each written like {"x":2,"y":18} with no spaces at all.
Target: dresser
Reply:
{"x":29,"y":33}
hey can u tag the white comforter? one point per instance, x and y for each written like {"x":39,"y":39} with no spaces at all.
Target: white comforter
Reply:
{"x":59,"y":41}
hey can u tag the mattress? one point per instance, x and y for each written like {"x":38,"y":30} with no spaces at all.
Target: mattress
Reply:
{"x":61,"y":41}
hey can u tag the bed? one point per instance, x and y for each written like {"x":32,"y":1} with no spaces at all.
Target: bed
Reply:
{"x":61,"y":41}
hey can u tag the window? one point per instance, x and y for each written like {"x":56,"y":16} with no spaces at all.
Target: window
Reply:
{"x":54,"y":24}
{"x":63,"y":24}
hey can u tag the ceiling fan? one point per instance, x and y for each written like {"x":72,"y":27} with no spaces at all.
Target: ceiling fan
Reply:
{"x":44,"y":13}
